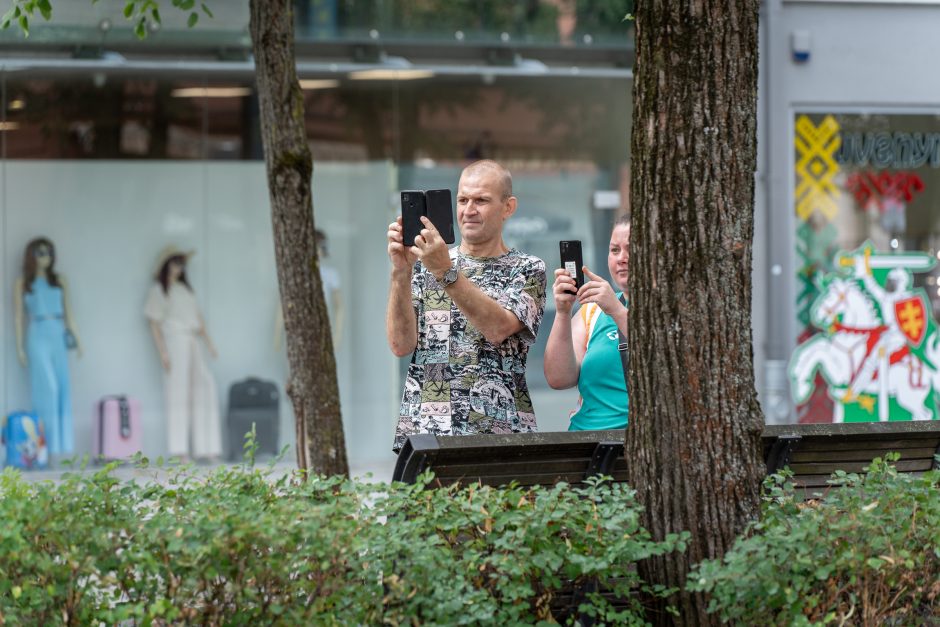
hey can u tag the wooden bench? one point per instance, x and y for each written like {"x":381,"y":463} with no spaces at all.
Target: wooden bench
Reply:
{"x":814,"y":451}
{"x":526,"y":458}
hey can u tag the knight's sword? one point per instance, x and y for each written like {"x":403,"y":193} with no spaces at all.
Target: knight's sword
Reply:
{"x":913,"y":261}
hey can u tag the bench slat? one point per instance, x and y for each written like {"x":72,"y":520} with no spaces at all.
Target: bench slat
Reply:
{"x":800,"y":454}
{"x":916,"y":441}
{"x":521,"y":466}
{"x":542,"y":478}
{"x":855,"y":466}
{"x":545,"y":479}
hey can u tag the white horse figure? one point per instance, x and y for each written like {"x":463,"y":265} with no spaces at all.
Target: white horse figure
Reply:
{"x":849,"y":314}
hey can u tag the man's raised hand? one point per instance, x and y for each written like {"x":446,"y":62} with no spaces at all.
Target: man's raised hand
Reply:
{"x":432,"y":250}
{"x":403,"y":257}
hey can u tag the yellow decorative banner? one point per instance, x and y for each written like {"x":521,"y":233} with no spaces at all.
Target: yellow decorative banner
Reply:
{"x":816,"y":167}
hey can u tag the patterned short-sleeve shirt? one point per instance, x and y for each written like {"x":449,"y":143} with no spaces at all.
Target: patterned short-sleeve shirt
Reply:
{"x":459,"y":383}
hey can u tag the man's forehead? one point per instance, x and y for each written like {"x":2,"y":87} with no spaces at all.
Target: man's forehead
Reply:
{"x":478,"y":183}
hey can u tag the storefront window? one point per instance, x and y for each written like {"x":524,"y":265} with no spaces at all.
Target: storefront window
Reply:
{"x":114,"y":167}
{"x":867,"y":204}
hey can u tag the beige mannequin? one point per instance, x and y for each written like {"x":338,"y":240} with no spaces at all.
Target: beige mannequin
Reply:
{"x":173,"y":276}
{"x":191,"y":401}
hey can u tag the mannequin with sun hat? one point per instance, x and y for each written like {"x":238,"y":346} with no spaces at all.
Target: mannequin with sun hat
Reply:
{"x":177,"y":325}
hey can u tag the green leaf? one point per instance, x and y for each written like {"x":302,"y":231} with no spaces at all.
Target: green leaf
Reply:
{"x":45,"y":9}
{"x":24,"y":24}
{"x":7,"y":18}
{"x":193,"y":18}
{"x":129,"y":9}
{"x":187,"y":5}
{"x":141,"y":29}
{"x":155,"y":14}
{"x":205,"y":9}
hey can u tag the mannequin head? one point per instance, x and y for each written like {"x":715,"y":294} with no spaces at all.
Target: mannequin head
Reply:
{"x":39,"y":260}
{"x":322,"y":250}
{"x":172,"y":271}
{"x":171,"y":267}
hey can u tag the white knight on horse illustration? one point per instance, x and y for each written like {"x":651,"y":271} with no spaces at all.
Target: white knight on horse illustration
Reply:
{"x":879,"y":343}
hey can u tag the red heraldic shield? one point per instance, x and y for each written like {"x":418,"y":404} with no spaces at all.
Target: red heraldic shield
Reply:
{"x":912,"y":319}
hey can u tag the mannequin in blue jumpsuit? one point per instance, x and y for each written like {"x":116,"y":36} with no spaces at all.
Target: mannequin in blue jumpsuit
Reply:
{"x":46,"y":352}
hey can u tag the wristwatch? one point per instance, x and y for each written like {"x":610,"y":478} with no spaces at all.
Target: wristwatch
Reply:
{"x":449,"y":278}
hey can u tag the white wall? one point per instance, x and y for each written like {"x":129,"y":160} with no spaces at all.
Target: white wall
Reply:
{"x":109,"y":220}
{"x":862,"y":53}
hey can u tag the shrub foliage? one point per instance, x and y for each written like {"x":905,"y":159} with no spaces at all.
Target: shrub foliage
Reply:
{"x":242,"y":546}
{"x":866,"y":554}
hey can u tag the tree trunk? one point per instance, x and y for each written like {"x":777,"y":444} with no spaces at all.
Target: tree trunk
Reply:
{"x":693,"y":444}
{"x":312,"y":385}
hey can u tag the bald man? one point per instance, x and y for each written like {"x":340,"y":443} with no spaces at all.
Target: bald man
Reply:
{"x":466,"y":315}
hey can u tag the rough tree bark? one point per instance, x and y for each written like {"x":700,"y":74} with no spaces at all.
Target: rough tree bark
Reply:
{"x":312,"y":385}
{"x":693,"y":445}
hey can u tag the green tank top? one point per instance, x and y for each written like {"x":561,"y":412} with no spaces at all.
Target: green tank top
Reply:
{"x":604,"y":400}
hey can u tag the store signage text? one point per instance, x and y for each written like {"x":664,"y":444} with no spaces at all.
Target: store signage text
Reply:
{"x":890,"y":150}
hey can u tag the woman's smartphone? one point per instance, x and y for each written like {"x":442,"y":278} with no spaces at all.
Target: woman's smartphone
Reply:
{"x":413,"y":206}
{"x":571,"y":260}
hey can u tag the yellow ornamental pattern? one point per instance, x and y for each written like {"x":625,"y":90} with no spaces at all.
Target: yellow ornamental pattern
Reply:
{"x":816,"y":167}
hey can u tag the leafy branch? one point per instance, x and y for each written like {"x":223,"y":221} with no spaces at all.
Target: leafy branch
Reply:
{"x":138,"y":12}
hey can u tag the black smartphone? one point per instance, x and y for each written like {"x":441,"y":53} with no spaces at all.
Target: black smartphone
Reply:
{"x":413,"y":206}
{"x":441,"y":213}
{"x":571,"y":259}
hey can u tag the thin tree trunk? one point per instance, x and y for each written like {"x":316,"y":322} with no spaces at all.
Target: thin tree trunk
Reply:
{"x":312,"y":385}
{"x":693,"y":444}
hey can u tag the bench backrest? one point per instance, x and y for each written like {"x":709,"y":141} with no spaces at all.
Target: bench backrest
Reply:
{"x":812,"y":452}
{"x":526,"y":458}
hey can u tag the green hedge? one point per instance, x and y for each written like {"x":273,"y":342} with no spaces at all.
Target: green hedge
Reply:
{"x":867,"y":554}
{"x":240,"y":546}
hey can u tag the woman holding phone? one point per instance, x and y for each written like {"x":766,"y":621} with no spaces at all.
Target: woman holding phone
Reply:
{"x":583,"y":349}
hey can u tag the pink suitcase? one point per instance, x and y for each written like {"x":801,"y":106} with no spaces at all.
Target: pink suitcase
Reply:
{"x":117,"y":431}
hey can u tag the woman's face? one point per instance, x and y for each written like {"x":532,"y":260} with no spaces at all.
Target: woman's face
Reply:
{"x":618,"y":255}
{"x":43,"y":256}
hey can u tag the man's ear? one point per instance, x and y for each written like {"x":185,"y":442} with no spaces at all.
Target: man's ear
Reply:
{"x":510,"y":207}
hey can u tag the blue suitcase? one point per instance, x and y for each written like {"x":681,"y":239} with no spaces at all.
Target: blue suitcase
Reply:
{"x":24,"y":437}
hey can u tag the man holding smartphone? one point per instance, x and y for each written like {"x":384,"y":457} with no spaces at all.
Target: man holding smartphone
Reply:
{"x":467,"y":316}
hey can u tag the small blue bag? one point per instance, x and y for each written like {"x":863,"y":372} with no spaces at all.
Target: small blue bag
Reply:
{"x":24,"y":436}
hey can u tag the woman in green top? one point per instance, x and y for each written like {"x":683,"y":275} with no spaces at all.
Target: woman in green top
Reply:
{"x":583,"y":350}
